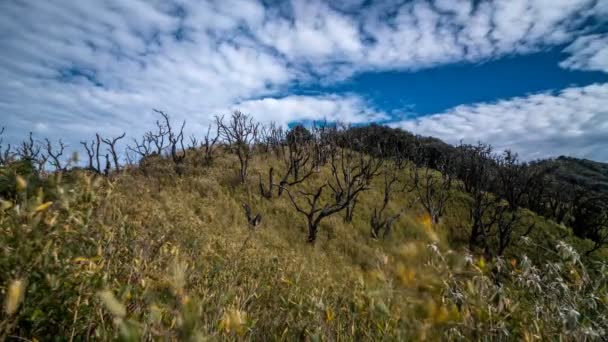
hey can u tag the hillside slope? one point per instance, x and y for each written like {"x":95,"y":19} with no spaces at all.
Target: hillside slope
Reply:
{"x":172,"y":257}
{"x":586,"y":173}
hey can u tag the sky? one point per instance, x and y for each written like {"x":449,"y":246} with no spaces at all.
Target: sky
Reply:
{"x":525,"y":75}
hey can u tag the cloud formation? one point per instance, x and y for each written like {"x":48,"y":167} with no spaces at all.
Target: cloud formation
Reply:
{"x":589,"y":52}
{"x":570,"y":122}
{"x":71,"y":68}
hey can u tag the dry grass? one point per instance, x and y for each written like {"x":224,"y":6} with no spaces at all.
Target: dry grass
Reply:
{"x":163,"y":257}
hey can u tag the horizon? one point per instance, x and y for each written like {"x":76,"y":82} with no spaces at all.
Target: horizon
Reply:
{"x":529,"y":76}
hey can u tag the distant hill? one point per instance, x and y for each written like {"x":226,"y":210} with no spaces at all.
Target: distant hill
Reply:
{"x":585,"y":173}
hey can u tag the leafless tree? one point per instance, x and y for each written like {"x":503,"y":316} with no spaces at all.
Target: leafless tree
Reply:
{"x":144,"y":148}
{"x":276,"y":139}
{"x":29,"y":149}
{"x":5,"y":152}
{"x":175,"y":140}
{"x":299,"y":167}
{"x":351,"y":175}
{"x":240,"y":133}
{"x":380,"y":221}
{"x":352,"y":170}
{"x":90,"y":150}
{"x":55,"y":155}
{"x":432,"y":187}
{"x":111,"y":142}
{"x":209,"y":144}
{"x":514,"y":180}
{"x":476,"y":168}
{"x":97,"y":153}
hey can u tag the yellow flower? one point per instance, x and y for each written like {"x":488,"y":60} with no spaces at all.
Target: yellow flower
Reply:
{"x":14,"y":296}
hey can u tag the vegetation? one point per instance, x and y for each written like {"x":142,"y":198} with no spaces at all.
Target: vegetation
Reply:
{"x":189,"y":243}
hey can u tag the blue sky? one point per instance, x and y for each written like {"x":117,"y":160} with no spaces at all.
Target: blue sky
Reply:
{"x":529,"y":75}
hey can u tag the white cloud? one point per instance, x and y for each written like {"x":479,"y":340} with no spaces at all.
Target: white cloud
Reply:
{"x":327,"y":107}
{"x":77,"y":67}
{"x":573,"y":121}
{"x":588,"y":52}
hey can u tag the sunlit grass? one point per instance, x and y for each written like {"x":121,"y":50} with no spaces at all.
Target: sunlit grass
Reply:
{"x":149,"y":255}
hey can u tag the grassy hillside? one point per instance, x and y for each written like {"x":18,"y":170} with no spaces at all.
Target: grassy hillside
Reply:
{"x":586,"y":173}
{"x":172,"y":257}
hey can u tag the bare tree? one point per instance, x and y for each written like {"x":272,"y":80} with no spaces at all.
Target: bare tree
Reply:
{"x":276,"y":139}
{"x":143,"y":148}
{"x":29,"y":149}
{"x":513,"y":181}
{"x":380,"y":221}
{"x":298,"y":168}
{"x":433,"y":187}
{"x":97,"y":154}
{"x":351,"y":175}
{"x":209,"y":144}
{"x":476,"y":167}
{"x":5,"y":152}
{"x":240,"y":133}
{"x":298,"y":162}
{"x":54,"y":156}
{"x":352,"y":170}
{"x":175,"y":140}
{"x":111,"y":142}
{"x":92,"y":150}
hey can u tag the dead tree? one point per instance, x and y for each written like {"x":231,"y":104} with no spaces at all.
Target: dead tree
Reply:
{"x":92,"y":150}
{"x":276,"y":139}
{"x":352,"y":172}
{"x":240,"y":133}
{"x":350,"y":176}
{"x":111,"y":142}
{"x":29,"y":149}
{"x":297,"y":161}
{"x":175,"y":141}
{"x":380,"y":221}
{"x":315,"y":212}
{"x":432,"y":187}
{"x":97,"y":154}
{"x":514,"y":181}
{"x":54,"y":156}
{"x":325,"y":144}
{"x":5,"y":152}
{"x":476,"y":166}
{"x":209,"y":145}
{"x":144,"y":148}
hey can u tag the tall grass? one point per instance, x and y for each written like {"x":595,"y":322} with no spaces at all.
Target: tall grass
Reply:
{"x":153,"y":256}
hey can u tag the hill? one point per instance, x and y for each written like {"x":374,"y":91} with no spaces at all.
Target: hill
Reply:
{"x":187,"y":246}
{"x":586,"y":173}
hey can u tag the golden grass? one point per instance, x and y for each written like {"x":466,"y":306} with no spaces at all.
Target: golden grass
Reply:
{"x":163,"y":257}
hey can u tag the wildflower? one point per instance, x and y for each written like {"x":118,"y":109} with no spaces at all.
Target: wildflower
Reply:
{"x":14,"y":296}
